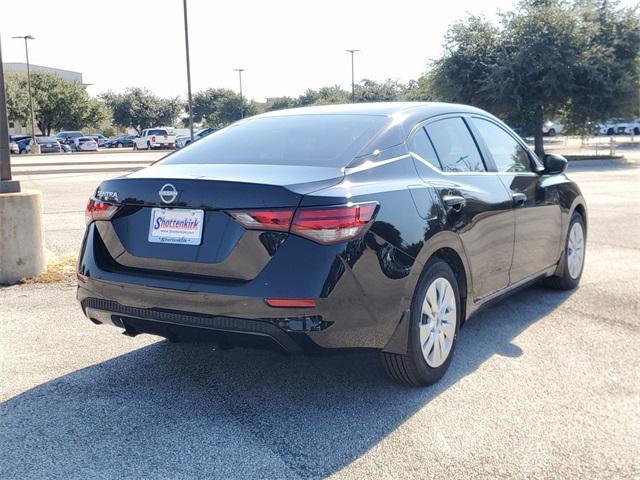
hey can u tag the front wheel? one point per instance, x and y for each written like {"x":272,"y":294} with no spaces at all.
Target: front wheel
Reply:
{"x":435,"y":320}
{"x":573,"y":256}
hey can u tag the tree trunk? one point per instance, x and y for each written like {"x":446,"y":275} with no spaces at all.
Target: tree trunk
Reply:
{"x":538,"y":137}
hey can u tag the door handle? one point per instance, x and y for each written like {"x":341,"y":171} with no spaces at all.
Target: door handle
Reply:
{"x":519,"y":199}
{"x":455,"y":202}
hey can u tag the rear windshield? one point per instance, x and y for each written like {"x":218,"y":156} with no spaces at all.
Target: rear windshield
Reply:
{"x":157,"y":132}
{"x":46,"y":139}
{"x":307,"y":140}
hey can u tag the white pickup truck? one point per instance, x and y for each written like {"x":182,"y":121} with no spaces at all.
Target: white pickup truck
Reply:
{"x":154,"y":138}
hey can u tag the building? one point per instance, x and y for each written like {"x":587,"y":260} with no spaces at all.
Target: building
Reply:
{"x":15,"y":128}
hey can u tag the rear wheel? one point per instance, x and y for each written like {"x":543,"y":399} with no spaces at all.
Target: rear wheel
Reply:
{"x":435,"y":320}
{"x":573,"y":260}
{"x":610,"y":131}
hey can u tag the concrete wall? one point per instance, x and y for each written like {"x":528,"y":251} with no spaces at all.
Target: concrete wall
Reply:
{"x":21,"y":236}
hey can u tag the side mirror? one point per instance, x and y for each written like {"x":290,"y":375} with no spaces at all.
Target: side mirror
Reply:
{"x":554,"y":164}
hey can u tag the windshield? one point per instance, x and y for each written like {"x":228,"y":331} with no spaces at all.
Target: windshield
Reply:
{"x":307,"y":140}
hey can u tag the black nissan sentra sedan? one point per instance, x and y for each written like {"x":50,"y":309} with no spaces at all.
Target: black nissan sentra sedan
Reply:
{"x":380,"y":226}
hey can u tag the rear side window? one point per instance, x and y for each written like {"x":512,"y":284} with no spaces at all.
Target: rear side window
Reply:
{"x":306,"y":140}
{"x":507,"y":153}
{"x":420,"y":145}
{"x":454,"y":145}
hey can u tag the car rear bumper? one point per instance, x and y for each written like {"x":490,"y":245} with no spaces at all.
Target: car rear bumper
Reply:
{"x":358,"y":304}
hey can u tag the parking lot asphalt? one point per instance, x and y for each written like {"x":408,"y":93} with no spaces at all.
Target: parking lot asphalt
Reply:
{"x":545,"y":384}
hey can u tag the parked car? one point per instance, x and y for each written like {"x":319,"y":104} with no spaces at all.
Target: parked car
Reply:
{"x":633,"y":128}
{"x":14,"y":148}
{"x":121,"y":141}
{"x":179,"y":132}
{"x":85,"y":144}
{"x":22,"y":144}
{"x":185,"y":140}
{"x":616,"y":126}
{"x":100,"y":139}
{"x":47,"y":144}
{"x":152,"y":138}
{"x":380,"y":226}
{"x":69,"y":137}
{"x":552,"y":129}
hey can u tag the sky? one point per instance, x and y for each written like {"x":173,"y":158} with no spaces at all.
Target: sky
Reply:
{"x":284,"y":46}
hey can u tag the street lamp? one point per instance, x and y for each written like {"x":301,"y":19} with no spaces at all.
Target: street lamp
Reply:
{"x":34,"y":145}
{"x":186,"y":43}
{"x":6,"y":184}
{"x":240,"y":70}
{"x":353,"y":80}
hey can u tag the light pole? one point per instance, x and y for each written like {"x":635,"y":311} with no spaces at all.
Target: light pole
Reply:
{"x":6,"y":184}
{"x":186,"y":43}
{"x":353,"y":79}
{"x":240,"y":70}
{"x":34,"y":146}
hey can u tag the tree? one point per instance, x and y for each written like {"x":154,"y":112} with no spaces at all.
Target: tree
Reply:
{"x":139,"y":109}
{"x":57,"y":103}
{"x":324,"y":96}
{"x":219,"y":107}
{"x":280,"y":103}
{"x":547,"y":58}
{"x":372,"y":91}
{"x":17,"y":98}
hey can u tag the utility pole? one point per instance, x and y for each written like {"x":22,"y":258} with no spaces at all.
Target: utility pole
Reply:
{"x":35,"y":148}
{"x":186,"y":43}
{"x":240,"y":70}
{"x":6,"y":184}
{"x":353,"y":77}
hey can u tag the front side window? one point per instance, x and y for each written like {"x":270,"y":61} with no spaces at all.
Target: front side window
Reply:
{"x":507,"y":153}
{"x":454,"y":145}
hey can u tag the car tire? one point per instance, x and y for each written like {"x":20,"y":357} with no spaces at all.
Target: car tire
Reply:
{"x":636,"y":130}
{"x":572,"y":257}
{"x":421,"y":365}
{"x":135,"y":146}
{"x":148,"y":146}
{"x":552,"y":132}
{"x":119,"y":145}
{"x":610,"y":131}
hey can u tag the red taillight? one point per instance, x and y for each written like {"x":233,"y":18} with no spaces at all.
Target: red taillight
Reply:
{"x":320,"y":224}
{"x":99,"y":210}
{"x":81,"y":278}
{"x":290,"y":303}
{"x":153,"y":139}
{"x":333,"y":224}
{"x":264,"y":219}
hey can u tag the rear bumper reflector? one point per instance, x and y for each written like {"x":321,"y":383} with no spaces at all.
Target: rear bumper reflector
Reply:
{"x":290,"y":303}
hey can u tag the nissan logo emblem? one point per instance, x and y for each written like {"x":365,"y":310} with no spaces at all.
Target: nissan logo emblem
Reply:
{"x":168,"y":193}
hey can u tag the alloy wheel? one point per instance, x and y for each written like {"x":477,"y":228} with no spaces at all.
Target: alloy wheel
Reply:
{"x":438,"y":322}
{"x":575,"y":250}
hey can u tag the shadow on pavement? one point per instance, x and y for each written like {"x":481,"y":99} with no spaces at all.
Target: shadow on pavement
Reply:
{"x":170,"y":410}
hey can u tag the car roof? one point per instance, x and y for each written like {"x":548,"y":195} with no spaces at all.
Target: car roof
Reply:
{"x":405,"y":114}
{"x":380,"y":108}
